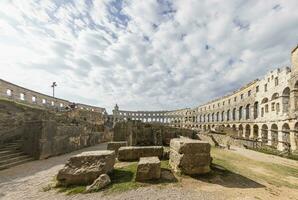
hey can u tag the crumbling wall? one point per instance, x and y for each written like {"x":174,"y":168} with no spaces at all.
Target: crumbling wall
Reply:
{"x":47,"y":133}
{"x":137,"y":133}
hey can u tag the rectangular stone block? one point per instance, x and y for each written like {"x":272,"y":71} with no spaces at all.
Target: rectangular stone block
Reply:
{"x":84,"y":168}
{"x":190,"y":156}
{"x":186,"y":146}
{"x":114,"y":146}
{"x":133,"y":153}
{"x":148,"y":169}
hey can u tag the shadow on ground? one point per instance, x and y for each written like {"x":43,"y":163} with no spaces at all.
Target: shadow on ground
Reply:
{"x":221,"y":176}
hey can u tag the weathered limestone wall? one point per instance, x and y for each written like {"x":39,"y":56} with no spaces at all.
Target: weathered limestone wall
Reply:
{"x":46,"y":133}
{"x":137,"y":133}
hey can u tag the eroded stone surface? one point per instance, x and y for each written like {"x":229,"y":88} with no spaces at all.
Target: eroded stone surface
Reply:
{"x":84,"y":168}
{"x":148,"y":169}
{"x":190,"y":156}
{"x":99,"y":183}
{"x":133,"y":153}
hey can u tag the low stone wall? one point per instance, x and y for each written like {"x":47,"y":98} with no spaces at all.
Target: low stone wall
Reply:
{"x":137,"y":133}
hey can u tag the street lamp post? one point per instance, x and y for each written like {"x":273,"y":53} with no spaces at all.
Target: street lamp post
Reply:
{"x":53,"y":86}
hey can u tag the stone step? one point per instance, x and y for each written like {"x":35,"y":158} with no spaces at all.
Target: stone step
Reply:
{"x":19,"y":162}
{"x":10,"y":147}
{"x":11,"y":155}
{"x":14,"y":159}
{"x":6,"y":152}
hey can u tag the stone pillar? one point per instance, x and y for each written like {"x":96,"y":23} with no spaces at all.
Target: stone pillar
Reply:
{"x":292,"y":141}
{"x":280,"y":145}
{"x":269,"y":136}
{"x":251,"y":134}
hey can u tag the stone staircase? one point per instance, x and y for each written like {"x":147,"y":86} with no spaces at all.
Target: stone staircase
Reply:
{"x":12,"y":155}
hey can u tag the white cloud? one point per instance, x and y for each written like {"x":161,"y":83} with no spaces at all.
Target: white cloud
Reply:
{"x":146,"y":55}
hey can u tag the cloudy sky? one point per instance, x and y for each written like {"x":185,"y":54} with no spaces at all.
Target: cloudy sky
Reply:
{"x":144,"y":55}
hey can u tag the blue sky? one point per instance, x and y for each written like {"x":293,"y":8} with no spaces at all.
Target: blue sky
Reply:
{"x":144,"y":55}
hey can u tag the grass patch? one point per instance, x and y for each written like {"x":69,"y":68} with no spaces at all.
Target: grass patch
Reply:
{"x":275,"y":174}
{"x":123,"y":179}
{"x":71,"y":190}
{"x":275,"y":152}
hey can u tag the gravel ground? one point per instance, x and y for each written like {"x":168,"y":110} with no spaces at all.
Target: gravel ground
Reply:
{"x":27,"y":181}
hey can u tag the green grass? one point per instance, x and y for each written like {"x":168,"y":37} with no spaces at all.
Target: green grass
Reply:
{"x":275,"y":174}
{"x":275,"y":152}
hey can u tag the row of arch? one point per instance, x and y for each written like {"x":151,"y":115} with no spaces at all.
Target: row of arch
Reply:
{"x":244,"y":112}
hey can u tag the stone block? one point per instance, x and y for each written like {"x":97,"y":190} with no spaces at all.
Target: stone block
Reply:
{"x":84,"y":168}
{"x":148,"y":169}
{"x":187,"y":146}
{"x":133,"y":153}
{"x":114,"y":146}
{"x":190,"y":156}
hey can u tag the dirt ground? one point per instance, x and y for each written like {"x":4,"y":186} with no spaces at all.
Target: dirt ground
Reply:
{"x":244,"y":180}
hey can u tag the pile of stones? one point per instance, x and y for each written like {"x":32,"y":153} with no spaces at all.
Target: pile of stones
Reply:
{"x":91,"y":168}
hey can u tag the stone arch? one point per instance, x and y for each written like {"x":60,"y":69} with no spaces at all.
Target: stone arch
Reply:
{"x":274,"y":96}
{"x":228,"y":115}
{"x":247,"y":131}
{"x":264,"y":133}
{"x":240,"y":112}
{"x":208,"y":118}
{"x":212,"y":117}
{"x":222,"y":116}
{"x":285,"y":99}
{"x":234,"y":114}
{"x":234,"y":127}
{"x":274,"y":135}
{"x":228,"y":126}
{"x":255,"y":131}
{"x":256,"y":110}
{"x":240,"y":132}
{"x":247,"y":111}
{"x":286,"y":135}
{"x":217,"y":116}
{"x":208,"y":126}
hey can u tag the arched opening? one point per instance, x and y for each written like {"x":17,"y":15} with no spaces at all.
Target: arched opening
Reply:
{"x":264,"y":108}
{"x":228,"y":115}
{"x":247,"y":131}
{"x":228,"y":126}
{"x":222,"y":116}
{"x":295,"y":91}
{"x":208,"y":127}
{"x":264,"y":133}
{"x":286,"y":135}
{"x":217,"y":116}
{"x":234,"y":127}
{"x":234,"y":114}
{"x":240,"y":112}
{"x":204,"y":118}
{"x":255,"y":131}
{"x":256,"y":110}
{"x":212,"y":117}
{"x":285,"y":99}
{"x":247,"y":111}
{"x":208,"y":118}
{"x":296,"y":134}
{"x":274,"y":135}
{"x":240,"y":132}
{"x":204,"y":127}
{"x":274,"y":96}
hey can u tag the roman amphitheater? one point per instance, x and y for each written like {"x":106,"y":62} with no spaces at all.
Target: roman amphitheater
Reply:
{"x":265,"y":109}
{"x":243,"y":145}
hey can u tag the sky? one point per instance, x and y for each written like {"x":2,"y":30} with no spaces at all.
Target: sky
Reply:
{"x":144,"y":55}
